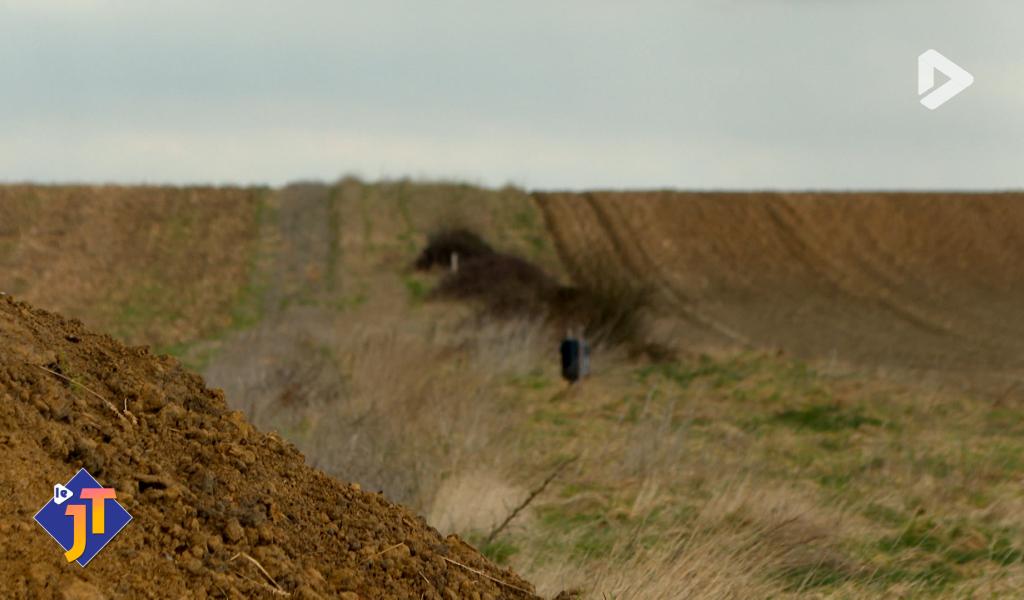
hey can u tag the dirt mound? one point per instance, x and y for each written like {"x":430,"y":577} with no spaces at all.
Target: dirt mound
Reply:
{"x":211,"y":497}
{"x":912,"y":280}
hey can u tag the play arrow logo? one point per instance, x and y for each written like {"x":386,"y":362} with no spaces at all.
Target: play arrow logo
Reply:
{"x":959,"y":79}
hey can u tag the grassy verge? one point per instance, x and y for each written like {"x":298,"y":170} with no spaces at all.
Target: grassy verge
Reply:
{"x":839,"y":485}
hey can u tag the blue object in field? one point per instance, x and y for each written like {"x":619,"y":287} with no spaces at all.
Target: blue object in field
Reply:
{"x":575,"y":358}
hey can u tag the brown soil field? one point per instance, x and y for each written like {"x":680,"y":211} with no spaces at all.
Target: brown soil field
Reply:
{"x":211,"y":496}
{"x":117,"y":256}
{"x":929,"y":282}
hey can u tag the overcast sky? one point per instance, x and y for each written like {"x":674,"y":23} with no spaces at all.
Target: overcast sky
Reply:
{"x":737,"y":94}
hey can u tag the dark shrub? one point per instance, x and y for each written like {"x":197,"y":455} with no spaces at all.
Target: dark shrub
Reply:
{"x":610,"y":310}
{"x":505,"y":284}
{"x":441,"y":246}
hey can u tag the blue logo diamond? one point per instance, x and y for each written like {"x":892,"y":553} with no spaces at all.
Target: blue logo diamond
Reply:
{"x":82,"y":516}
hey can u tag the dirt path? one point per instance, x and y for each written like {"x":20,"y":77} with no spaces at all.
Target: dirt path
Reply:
{"x":301,"y":235}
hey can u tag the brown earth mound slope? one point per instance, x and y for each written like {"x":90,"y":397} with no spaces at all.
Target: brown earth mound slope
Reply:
{"x":922,"y":281}
{"x":211,"y":497}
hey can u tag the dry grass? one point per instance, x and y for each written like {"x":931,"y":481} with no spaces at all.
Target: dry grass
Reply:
{"x":738,"y":476}
{"x":713,"y":560}
{"x":395,"y":408}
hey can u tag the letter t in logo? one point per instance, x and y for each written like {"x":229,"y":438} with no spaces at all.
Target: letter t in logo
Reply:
{"x":98,"y":495}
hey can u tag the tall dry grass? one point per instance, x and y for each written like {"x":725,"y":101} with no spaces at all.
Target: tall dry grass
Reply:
{"x":395,"y":407}
{"x":743,"y":476}
{"x":744,"y":535}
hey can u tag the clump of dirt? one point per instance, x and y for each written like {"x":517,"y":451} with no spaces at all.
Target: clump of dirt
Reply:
{"x":220,"y":509}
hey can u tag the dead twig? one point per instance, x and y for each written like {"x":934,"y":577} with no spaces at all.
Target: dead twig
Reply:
{"x":485,"y":575}
{"x":221,"y":590}
{"x":131,"y":417}
{"x":386,"y":550}
{"x":494,"y":532}
{"x":82,"y":385}
{"x":262,"y":571}
{"x":263,"y":585}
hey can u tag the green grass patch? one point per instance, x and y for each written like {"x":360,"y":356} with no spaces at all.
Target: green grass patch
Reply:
{"x":246,"y":308}
{"x":185,"y":352}
{"x":823,"y":417}
{"x":719,"y":373}
{"x":884,"y":515}
{"x":958,"y":543}
{"x":583,"y":535}
{"x":415,"y":289}
{"x":934,"y":554}
{"x":553,"y":417}
{"x":933,"y":575}
{"x":149,"y":304}
{"x":534,"y":380}
{"x":499,"y":551}
{"x":808,"y":577}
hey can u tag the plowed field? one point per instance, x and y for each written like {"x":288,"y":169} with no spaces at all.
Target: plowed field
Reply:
{"x":928,"y":282}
